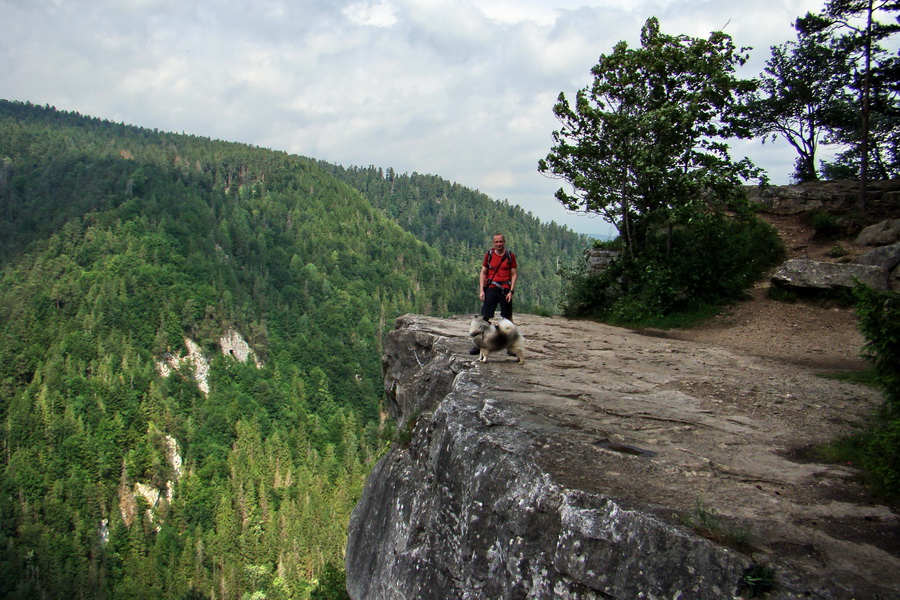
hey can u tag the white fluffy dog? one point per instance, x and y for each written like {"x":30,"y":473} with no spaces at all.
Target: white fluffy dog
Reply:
{"x":502,"y":336}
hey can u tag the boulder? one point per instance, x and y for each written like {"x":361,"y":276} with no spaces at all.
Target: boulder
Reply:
{"x":803,"y":273}
{"x":598,"y":260}
{"x":886,"y":232}
{"x":886,"y":257}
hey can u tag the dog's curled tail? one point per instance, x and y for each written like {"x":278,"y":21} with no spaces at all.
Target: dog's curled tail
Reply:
{"x":506,"y":326}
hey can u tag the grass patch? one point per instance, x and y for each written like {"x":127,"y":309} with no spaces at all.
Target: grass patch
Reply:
{"x":873,"y":452}
{"x":863,"y":377}
{"x":404,"y":434}
{"x":677,"y":320}
{"x":708,"y":523}
{"x":758,"y":580}
{"x":842,"y":451}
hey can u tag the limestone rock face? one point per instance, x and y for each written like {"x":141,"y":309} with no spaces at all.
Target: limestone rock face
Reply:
{"x":564,"y":477}
{"x":886,"y":232}
{"x":812,"y":274}
{"x":598,"y":260}
{"x":822,"y":195}
{"x":463,"y":512}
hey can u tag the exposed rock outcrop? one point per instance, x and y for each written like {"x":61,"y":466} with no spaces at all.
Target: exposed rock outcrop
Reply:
{"x":879,"y":234}
{"x":156,"y":497}
{"x":232,"y":344}
{"x":194,"y":359}
{"x":834,"y":196}
{"x":598,"y":260}
{"x":565,"y":477}
{"x":801,"y":273}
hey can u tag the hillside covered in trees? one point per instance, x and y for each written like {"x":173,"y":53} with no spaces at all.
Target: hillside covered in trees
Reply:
{"x":125,"y":249}
{"x":459,"y":222}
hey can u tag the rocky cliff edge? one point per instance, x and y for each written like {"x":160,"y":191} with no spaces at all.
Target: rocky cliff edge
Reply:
{"x":592,"y":471}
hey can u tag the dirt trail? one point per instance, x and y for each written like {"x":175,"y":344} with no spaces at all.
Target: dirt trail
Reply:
{"x":818,"y":334}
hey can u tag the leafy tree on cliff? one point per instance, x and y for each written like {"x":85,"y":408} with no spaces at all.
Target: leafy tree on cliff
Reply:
{"x":855,"y":29}
{"x":802,"y":92}
{"x":643,"y":145}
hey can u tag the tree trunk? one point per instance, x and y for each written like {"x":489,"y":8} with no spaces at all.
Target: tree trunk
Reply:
{"x":864,"y":143}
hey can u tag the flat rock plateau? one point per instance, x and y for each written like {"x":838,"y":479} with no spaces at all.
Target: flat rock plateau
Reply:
{"x":671,"y":427}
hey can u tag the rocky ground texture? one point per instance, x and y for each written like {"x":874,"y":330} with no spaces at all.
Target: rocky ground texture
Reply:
{"x":677,"y":432}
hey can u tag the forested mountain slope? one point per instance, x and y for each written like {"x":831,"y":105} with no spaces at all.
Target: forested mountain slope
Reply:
{"x":459,"y":222}
{"x":122,"y":249}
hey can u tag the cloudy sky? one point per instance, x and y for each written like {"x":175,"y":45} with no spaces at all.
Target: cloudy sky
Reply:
{"x":463,"y":89}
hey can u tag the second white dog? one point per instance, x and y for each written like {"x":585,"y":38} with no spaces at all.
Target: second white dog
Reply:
{"x":502,"y":336}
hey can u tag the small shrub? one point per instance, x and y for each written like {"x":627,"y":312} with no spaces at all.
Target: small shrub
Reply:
{"x":879,"y":321}
{"x":404,"y":435}
{"x":613,"y":244}
{"x":838,"y":251}
{"x":586,"y":294}
{"x":709,"y":262}
{"x":758,"y":580}
{"x":881,"y":459}
{"x":541,"y":311}
{"x":878,"y":450}
{"x":781,"y":294}
{"x":826,"y":225}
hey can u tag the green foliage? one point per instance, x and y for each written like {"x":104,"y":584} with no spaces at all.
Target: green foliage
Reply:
{"x":863,"y":377}
{"x":825,"y":224}
{"x":881,"y":459}
{"x":332,"y":584}
{"x":758,"y":580}
{"x":404,"y":434}
{"x":675,"y":274}
{"x":117,"y":246}
{"x":801,"y":90}
{"x":868,"y":125}
{"x":879,"y":321}
{"x":782,"y":294}
{"x":460,"y":222}
{"x":613,"y":244}
{"x":708,"y":523}
{"x":643,"y":146}
{"x":838,"y":251}
{"x":877,"y":450}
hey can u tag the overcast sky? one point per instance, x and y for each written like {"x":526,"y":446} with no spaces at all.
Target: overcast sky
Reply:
{"x":463,"y":89}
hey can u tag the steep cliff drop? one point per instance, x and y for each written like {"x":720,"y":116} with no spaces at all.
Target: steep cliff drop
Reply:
{"x":592,"y":471}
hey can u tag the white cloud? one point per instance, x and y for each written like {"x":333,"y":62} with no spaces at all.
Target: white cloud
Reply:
{"x":375,"y":14}
{"x":460,"y":88}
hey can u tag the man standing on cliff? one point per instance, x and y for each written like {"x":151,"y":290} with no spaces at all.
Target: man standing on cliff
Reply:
{"x":497,"y":281}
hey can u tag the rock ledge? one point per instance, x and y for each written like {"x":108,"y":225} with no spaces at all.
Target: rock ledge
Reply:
{"x":565,"y":477}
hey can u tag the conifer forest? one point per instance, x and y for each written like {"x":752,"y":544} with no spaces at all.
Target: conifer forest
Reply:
{"x":190,"y":345}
